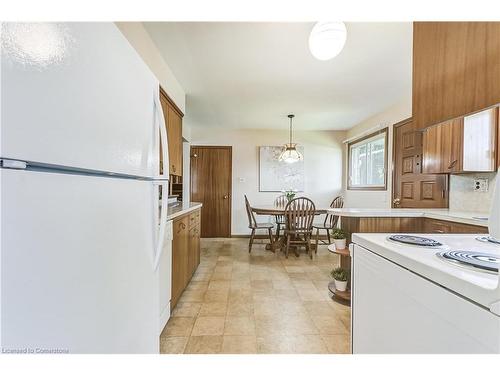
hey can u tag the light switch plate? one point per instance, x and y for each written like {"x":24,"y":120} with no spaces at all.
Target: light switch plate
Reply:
{"x":481,"y":185}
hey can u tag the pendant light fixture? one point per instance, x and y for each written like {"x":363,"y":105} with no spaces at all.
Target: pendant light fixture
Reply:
{"x":327,"y":39}
{"x":290,"y":154}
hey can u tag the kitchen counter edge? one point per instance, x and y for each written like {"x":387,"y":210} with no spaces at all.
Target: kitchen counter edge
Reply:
{"x":438,"y":214}
{"x":182,"y":209}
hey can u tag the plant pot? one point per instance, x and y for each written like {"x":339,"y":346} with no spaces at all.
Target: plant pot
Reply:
{"x":339,"y":244}
{"x":341,"y":286}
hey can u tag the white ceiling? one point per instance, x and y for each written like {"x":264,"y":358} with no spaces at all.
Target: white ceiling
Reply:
{"x":251,"y":75}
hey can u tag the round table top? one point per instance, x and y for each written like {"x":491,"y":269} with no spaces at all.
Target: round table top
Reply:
{"x":273,"y":210}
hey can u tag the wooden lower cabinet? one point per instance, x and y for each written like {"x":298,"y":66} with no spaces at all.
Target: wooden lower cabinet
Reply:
{"x":185,"y":252}
{"x":443,"y":226}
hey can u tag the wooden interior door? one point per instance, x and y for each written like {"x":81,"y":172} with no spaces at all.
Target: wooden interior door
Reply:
{"x":411,"y":187}
{"x":211,"y":185}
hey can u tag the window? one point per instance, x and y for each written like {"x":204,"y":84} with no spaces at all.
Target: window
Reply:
{"x":368,"y":162}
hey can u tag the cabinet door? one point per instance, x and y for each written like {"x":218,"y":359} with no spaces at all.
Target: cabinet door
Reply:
{"x":479,"y":140}
{"x":431,"y":150}
{"x":196,"y":248}
{"x":451,"y":145}
{"x":179,"y":258}
{"x":174,"y":130}
{"x":191,"y":266}
{"x":173,"y":121}
{"x":442,"y":147}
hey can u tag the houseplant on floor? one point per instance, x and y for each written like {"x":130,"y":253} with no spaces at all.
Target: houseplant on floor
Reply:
{"x":341,"y":277}
{"x":339,"y":238}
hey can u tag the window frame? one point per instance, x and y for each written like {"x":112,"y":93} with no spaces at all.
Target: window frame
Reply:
{"x":349,"y":162}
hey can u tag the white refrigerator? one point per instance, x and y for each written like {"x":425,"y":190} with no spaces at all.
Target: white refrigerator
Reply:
{"x":81,"y":227}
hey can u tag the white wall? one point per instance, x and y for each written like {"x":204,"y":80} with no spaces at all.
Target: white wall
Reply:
{"x":144,"y":45}
{"x":322,"y":158}
{"x":375,"y":199}
{"x":464,"y":198}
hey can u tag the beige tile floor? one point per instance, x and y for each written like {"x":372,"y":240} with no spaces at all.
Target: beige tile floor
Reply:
{"x":254,"y":303}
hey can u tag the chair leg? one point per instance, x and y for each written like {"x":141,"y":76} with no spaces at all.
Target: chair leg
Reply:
{"x":287,"y":245}
{"x":271,"y":236}
{"x":278,"y":227}
{"x":328,"y":235}
{"x":317,"y":240}
{"x":251,"y":240}
{"x":308,"y":245}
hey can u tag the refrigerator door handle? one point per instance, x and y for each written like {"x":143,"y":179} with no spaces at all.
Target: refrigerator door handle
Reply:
{"x":163,"y":135}
{"x":160,"y":121}
{"x":163,"y":223}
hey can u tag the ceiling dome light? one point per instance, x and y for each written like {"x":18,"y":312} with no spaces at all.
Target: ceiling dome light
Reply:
{"x":37,"y":45}
{"x":327,"y":39}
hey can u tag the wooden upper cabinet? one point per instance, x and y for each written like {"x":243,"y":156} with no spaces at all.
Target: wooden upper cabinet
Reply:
{"x":442,"y":147}
{"x":480,"y":141}
{"x":456,"y":69}
{"x":466,"y":144}
{"x":174,"y":132}
{"x":173,"y":121}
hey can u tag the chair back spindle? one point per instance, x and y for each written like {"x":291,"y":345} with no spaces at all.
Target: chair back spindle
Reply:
{"x":252,"y":222}
{"x":330,"y":219}
{"x":299,"y":215}
{"x":280,"y":202}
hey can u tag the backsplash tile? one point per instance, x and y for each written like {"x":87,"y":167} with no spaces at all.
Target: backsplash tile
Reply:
{"x":464,"y":198}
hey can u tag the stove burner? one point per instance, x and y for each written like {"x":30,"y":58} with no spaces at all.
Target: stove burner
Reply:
{"x":483,"y":261}
{"x":488,"y":239}
{"x":415,"y":240}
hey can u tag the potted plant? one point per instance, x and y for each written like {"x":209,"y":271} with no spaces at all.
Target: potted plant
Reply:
{"x":339,"y":238}
{"x":290,"y":194}
{"x":341,"y":277}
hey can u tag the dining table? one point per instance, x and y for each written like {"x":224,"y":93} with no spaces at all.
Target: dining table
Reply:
{"x":273,"y":210}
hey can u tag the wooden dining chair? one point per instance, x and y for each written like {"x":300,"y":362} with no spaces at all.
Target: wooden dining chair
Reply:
{"x":280,"y":202}
{"x":330,"y":221}
{"x":299,"y":217}
{"x":253,"y":225}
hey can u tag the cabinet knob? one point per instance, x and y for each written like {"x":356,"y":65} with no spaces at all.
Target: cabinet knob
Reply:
{"x":226,"y":196}
{"x":397,"y":201}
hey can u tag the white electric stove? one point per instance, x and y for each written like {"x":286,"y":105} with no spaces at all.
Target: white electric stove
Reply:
{"x":425,"y":293}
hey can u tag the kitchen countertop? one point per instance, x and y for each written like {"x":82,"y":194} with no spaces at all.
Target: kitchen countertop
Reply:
{"x":472,"y":218}
{"x":181,"y":208}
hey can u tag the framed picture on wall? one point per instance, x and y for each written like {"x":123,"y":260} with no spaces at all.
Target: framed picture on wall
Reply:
{"x":276,"y":175}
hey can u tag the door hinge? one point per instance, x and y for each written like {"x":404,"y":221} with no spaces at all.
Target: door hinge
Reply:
{"x":13,"y":164}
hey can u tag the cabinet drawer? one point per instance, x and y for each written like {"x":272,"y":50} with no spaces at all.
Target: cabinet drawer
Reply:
{"x":437,"y":226}
{"x":442,"y":226}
